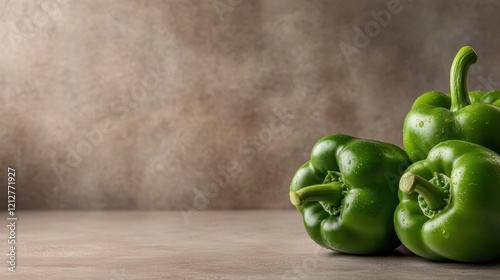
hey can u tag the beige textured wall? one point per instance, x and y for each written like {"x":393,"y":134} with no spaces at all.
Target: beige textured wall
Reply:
{"x":173,"y":92}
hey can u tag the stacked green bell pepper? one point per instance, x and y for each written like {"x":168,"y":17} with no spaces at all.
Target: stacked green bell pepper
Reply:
{"x":449,"y":200}
{"x":436,"y":117}
{"x":448,"y":206}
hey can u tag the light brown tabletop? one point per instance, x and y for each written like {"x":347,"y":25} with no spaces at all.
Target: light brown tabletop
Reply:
{"x":128,"y":245}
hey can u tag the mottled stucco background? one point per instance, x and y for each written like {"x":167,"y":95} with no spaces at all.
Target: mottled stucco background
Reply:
{"x":172,"y":94}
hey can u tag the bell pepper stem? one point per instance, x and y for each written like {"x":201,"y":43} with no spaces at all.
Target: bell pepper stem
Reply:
{"x":434,"y":196}
{"x":331,"y":193}
{"x":458,"y":78}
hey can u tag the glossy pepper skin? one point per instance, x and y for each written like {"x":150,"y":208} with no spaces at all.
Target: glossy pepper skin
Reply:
{"x":436,"y":117}
{"x":450,"y":204}
{"x":347,"y":193}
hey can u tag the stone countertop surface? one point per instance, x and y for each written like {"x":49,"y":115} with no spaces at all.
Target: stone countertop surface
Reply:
{"x":127,"y":245}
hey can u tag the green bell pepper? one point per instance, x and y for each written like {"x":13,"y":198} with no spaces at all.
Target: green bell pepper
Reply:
{"x":450,"y":204}
{"x":347,"y":193}
{"x":436,"y":117}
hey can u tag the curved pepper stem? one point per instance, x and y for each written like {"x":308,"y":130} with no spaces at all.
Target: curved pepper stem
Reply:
{"x":458,"y":78}
{"x":331,"y":193}
{"x":434,"y":196}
